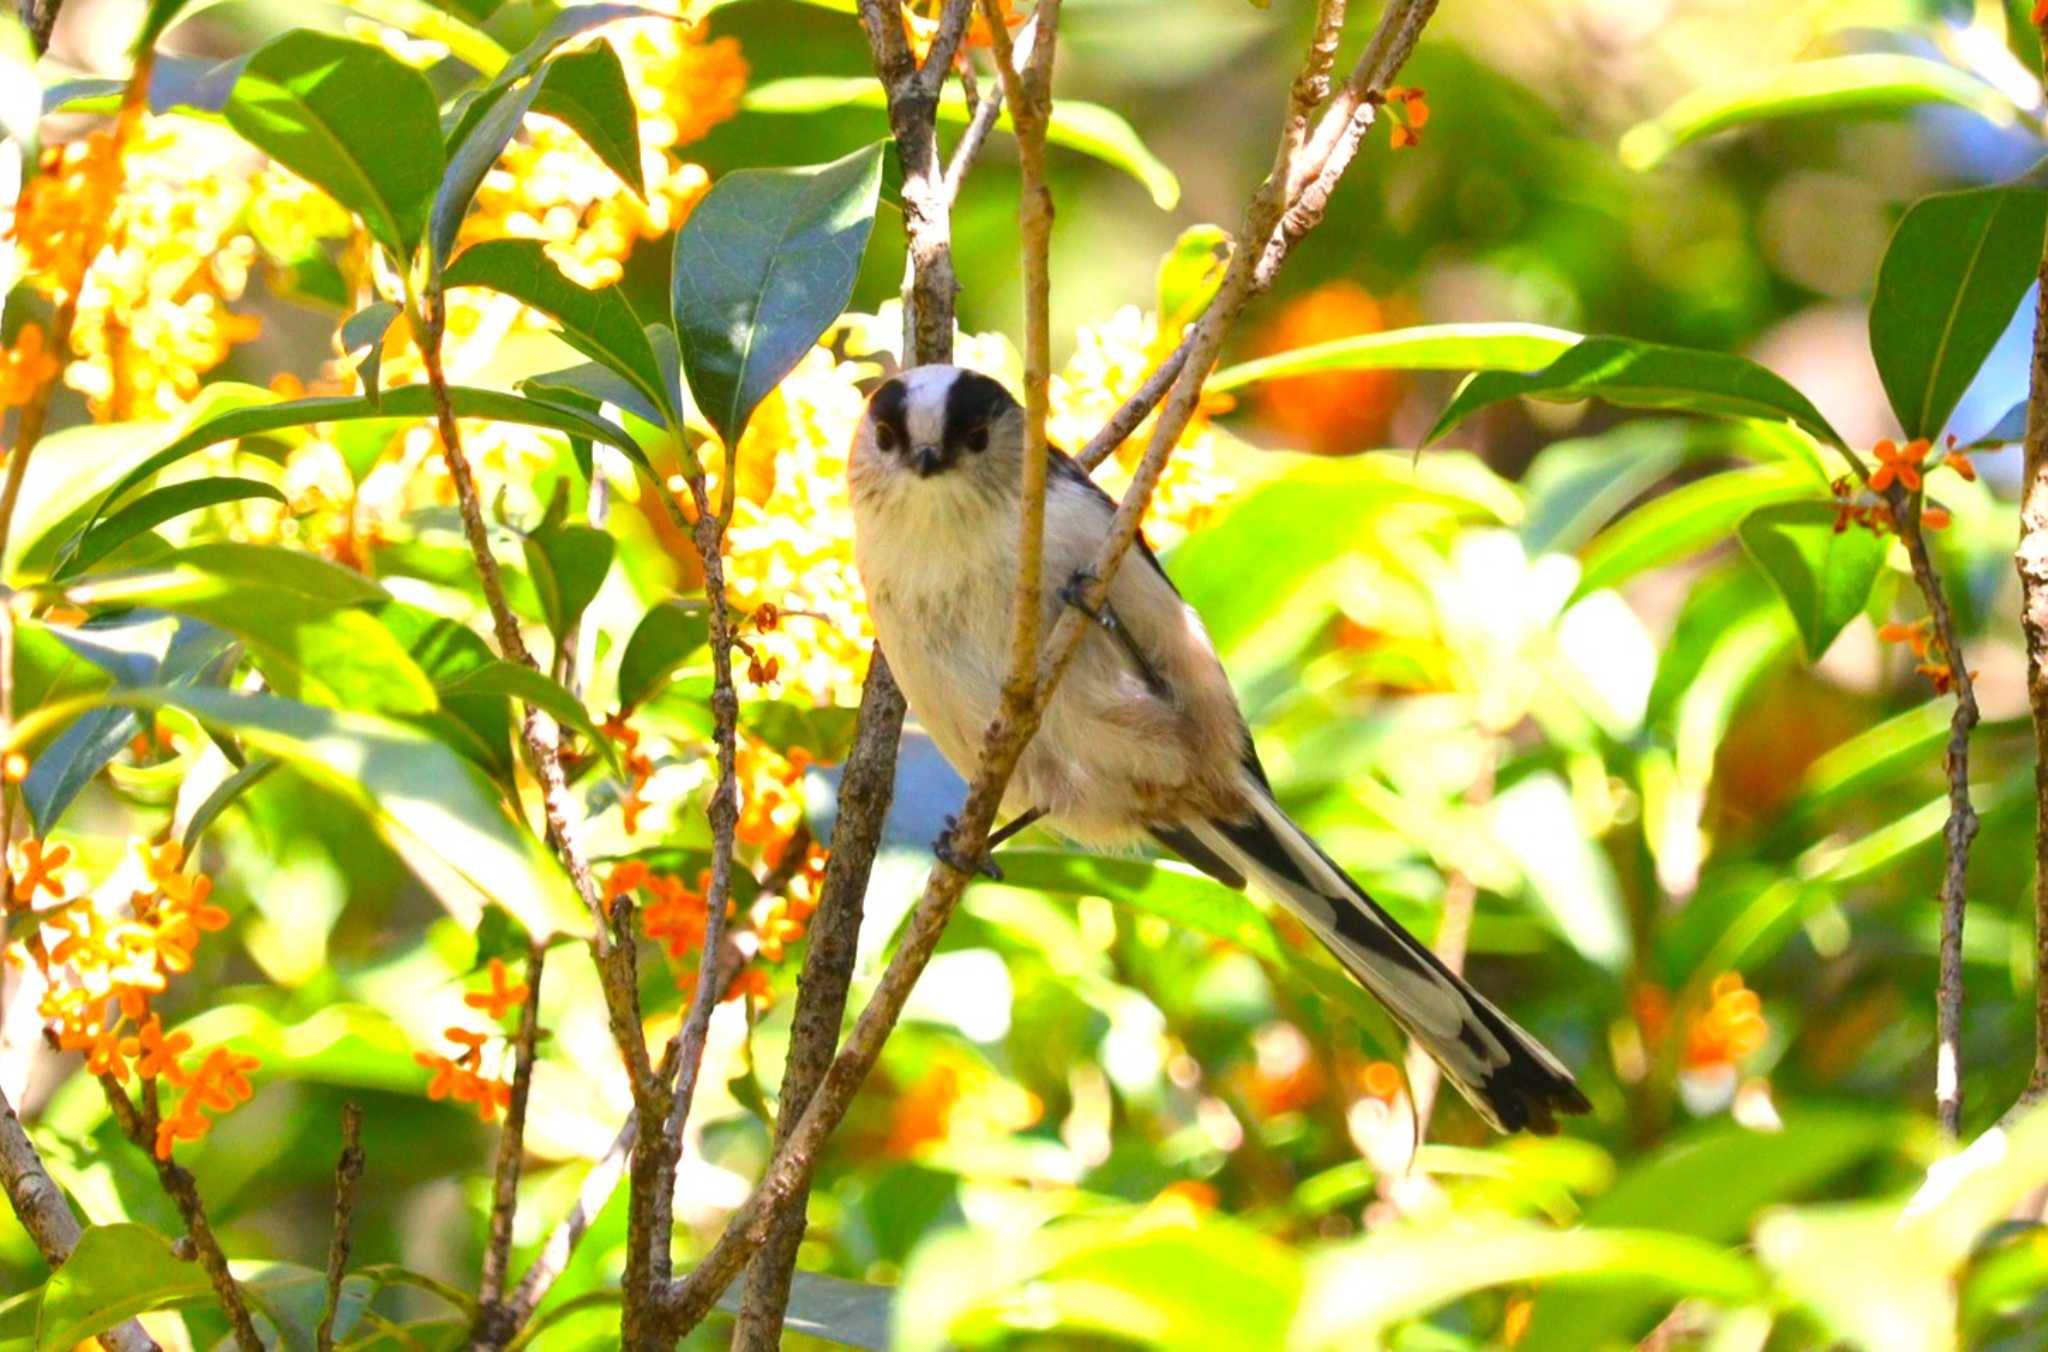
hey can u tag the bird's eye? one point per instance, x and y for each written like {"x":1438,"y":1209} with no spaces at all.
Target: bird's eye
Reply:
{"x":977,"y":440}
{"x":885,"y":437}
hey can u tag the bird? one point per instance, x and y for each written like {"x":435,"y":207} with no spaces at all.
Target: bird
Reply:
{"x":1143,"y":738}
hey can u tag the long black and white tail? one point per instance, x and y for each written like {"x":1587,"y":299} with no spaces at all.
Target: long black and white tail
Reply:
{"x":1513,"y":1082}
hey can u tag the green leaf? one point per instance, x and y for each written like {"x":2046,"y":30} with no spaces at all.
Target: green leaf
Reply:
{"x":435,"y":808}
{"x":1837,"y":86}
{"x":1823,"y":573}
{"x":158,"y":18}
{"x":510,"y":680}
{"x":157,"y":651}
{"x":498,"y":116}
{"x":480,"y":725}
{"x":1646,"y":375}
{"x":667,"y":635}
{"x":763,"y":267}
{"x":120,"y":1271}
{"x":364,"y":332}
{"x":154,"y":508}
{"x":1577,"y":486}
{"x":599,"y":324}
{"x":1725,"y":1178}
{"x":431,"y":21}
{"x":567,"y":24}
{"x":586,"y":91}
{"x":223,"y":797}
{"x":850,"y":1314}
{"x":297,"y":615}
{"x":1189,"y":274}
{"x":568,"y":565}
{"x":1358,"y":1292}
{"x":599,"y":384}
{"x":1954,"y":272}
{"x":1089,"y":128}
{"x":1172,"y":891}
{"x":115,"y":1273}
{"x":410,"y":401}
{"x":1427,"y":347}
{"x":350,"y":119}
{"x":1685,"y":520}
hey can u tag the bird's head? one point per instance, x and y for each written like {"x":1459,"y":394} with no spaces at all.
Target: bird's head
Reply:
{"x":938,"y":430}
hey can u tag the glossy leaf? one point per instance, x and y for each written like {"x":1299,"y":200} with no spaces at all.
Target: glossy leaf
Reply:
{"x":1837,"y":86}
{"x":296,"y":614}
{"x":763,"y":267}
{"x":435,"y":808}
{"x":1173,"y":891}
{"x":510,"y":680}
{"x":1686,"y":520}
{"x":599,"y":324}
{"x":1089,"y":128}
{"x":667,"y":635}
{"x":431,"y":21}
{"x":1823,"y":573}
{"x":1646,"y":375}
{"x":566,"y":25}
{"x":1952,"y":276}
{"x":158,"y":651}
{"x":364,"y":332}
{"x":1357,"y":1293}
{"x":1428,"y":347}
{"x":1726,"y":1179}
{"x":224,"y":797}
{"x":586,"y":91}
{"x":846,"y":1313}
{"x":411,"y":401}
{"x":469,"y":158}
{"x":351,"y":119}
{"x":154,"y":508}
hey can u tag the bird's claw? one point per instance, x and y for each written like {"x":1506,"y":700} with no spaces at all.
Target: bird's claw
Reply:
{"x":1074,"y":592}
{"x":943,"y":849}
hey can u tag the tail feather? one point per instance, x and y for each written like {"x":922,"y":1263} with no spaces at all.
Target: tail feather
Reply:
{"x":1509,"y":1077}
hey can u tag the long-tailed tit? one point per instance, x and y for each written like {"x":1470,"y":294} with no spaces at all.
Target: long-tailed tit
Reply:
{"x":1143,"y":737}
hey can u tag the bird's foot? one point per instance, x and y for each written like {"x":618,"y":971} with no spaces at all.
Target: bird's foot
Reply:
{"x":952,"y":858}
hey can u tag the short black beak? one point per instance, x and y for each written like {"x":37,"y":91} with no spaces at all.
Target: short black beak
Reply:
{"x":927,"y":461}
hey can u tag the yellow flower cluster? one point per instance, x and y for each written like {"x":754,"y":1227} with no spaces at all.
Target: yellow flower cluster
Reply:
{"x":154,"y":261}
{"x":550,"y":186}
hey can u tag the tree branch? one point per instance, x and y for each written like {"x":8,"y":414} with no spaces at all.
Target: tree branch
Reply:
{"x":347,"y":1171}
{"x":40,"y":1207}
{"x":1961,"y":827}
{"x":1029,"y":94}
{"x":183,"y":1190}
{"x":788,"y":1172}
{"x":491,"y":1329}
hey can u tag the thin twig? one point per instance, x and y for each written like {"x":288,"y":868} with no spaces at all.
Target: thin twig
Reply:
{"x":348,"y":1170}
{"x":1029,"y":94}
{"x":2031,"y":559}
{"x":1960,"y":829}
{"x":789,"y":1170}
{"x":1138,"y":407}
{"x":492,"y":1329}
{"x":183,"y":1190}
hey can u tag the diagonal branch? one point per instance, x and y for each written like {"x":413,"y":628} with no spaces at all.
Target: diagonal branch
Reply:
{"x":40,"y":1207}
{"x":491,"y":1328}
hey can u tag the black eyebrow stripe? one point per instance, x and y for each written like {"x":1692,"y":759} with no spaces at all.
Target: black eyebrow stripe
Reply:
{"x":973,"y":401}
{"x":887,"y":407}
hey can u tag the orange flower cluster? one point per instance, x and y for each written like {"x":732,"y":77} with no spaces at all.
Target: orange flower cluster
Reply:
{"x":25,"y":367}
{"x":1906,"y":466}
{"x":639,"y":769}
{"x":102,"y":967}
{"x":1934,"y":662}
{"x":1410,"y":113}
{"x":1731,"y":1027}
{"x":61,"y":219}
{"x":785,"y":919}
{"x":460,"y":1077}
{"x":771,"y":793}
{"x":921,"y":26}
